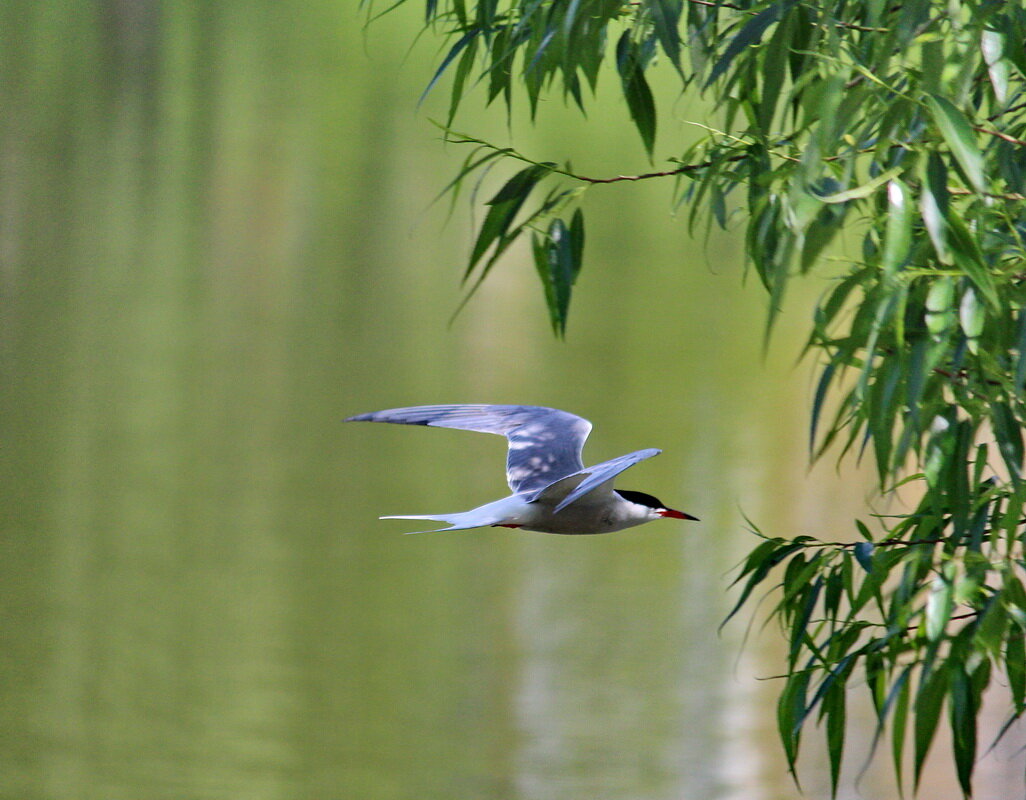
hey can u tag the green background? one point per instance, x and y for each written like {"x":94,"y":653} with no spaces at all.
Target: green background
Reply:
{"x":217,"y":239}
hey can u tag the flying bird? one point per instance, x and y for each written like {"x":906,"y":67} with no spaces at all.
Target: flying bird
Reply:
{"x":553,"y":492}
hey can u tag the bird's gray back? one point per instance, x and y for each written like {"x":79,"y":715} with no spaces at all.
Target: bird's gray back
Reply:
{"x":544,"y":443}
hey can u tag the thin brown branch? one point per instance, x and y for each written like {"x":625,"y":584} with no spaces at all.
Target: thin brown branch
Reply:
{"x":646,"y":175}
{"x":999,"y":114}
{"x":992,"y":195}
{"x":893,"y":542}
{"x":952,"y":618}
{"x":1003,"y":136}
{"x":849,"y":25}
{"x":881,"y":543}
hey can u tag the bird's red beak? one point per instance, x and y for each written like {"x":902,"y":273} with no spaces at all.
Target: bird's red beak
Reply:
{"x":674,"y":514}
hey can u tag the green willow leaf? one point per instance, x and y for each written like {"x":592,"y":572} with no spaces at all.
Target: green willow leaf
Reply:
{"x":504,"y":207}
{"x":577,"y":241}
{"x":899,"y":226}
{"x":928,"y":703}
{"x":899,"y":719}
{"x":958,"y":134}
{"x":557,"y":259}
{"x":666,"y":19}
{"x":963,"y":727}
{"x":749,"y":35}
{"x":1008,"y":433}
{"x":454,"y":51}
{"x":774,"y":72}
{"x":817,"y":402}
{"x":1015,"y":667}
{"x":636,"y":90}
{"x":790,"y":711}
{"x":1020,"y":347}
{"x":972,"y":316}
{"x":835,"y":702}
{"x":800,"y":625}
{"x":968,"y":257}
{"x":460,"y":78}
{"x":939,"y":606}
{"x":934,"y":206}
{"x":992,"y":45}
{"x":761,"y":568}
{"x":1014,"y":596}
{"x":866,"y":189}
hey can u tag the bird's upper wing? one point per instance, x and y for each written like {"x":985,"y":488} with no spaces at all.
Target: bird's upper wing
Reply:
{"x":544,"y":443}
{"x":600,"y":477}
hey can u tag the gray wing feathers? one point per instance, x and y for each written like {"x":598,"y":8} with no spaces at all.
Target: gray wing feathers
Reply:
{"x":598,"y":475}
{"x":544,"y":443}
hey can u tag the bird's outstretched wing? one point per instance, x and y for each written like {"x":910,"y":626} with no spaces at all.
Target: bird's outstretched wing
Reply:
{"x":591,"y":479}
{"x":544,"y":443}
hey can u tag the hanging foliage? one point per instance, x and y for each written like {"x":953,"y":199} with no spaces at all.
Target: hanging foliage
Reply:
{"x":904,"y":124}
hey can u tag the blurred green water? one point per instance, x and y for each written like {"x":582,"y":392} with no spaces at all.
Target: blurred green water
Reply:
{"x":217,"y":240}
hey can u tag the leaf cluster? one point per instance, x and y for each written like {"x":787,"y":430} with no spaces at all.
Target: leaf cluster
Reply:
{"x":922,"y":620}
{"x":903,"y":125}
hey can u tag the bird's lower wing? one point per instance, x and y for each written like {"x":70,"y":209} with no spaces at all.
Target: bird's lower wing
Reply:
{"x":580,"y":483}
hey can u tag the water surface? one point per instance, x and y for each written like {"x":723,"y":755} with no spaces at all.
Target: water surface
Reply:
{"x":216,"y":241}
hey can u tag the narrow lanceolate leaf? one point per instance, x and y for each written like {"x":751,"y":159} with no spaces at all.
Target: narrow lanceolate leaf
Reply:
{"x":836,"y":718}
{"x":1020,"y":346}
{"x":540,"y":249}
{"x":790,"y":712}
{"x":939,"y":606}
{"x":769,"y":554}
{"x":958,"y":134}
{"x":967,"y":256}
{"x":750,"y":34}
{"x":898,"y":723}
{"x":557,"y":259}
{"x":454,"y":51}
{"x":1015,"y":598}
{"x":1009,"y":438}
{"x":460,"y":78}
{"x":577,"y":241}
{"x":928,"y":704}
{"x":503,"y":209}
{"x":817,"y":403}
{"x":799,"y":632}
{"x":899,"y":226}
{"x":1015,"y":666}
{"x":636,"y":90}
{"x":666,"y":20}
{"x":866,"y":189}
{"x":933,"y":204}
{"x":963,"y":727}
{"x":992,"y":45}
{"x":940,"y":302}
{"x":971,"y":316}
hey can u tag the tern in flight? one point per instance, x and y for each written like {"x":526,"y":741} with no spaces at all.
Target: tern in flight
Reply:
{"x":553,"y":492}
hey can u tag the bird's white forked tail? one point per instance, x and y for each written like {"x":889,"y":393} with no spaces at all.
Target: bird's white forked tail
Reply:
{"x":459,"y":521}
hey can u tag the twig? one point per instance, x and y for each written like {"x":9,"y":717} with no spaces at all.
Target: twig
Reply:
{"x":1003,"y":136}
{"x":881,"y":543}
{"x":850,"y":25}
{"x":462,"y":138}
{"x":644,"y":176}
{"x":993,"y":117}
{"x":992,"y":195}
